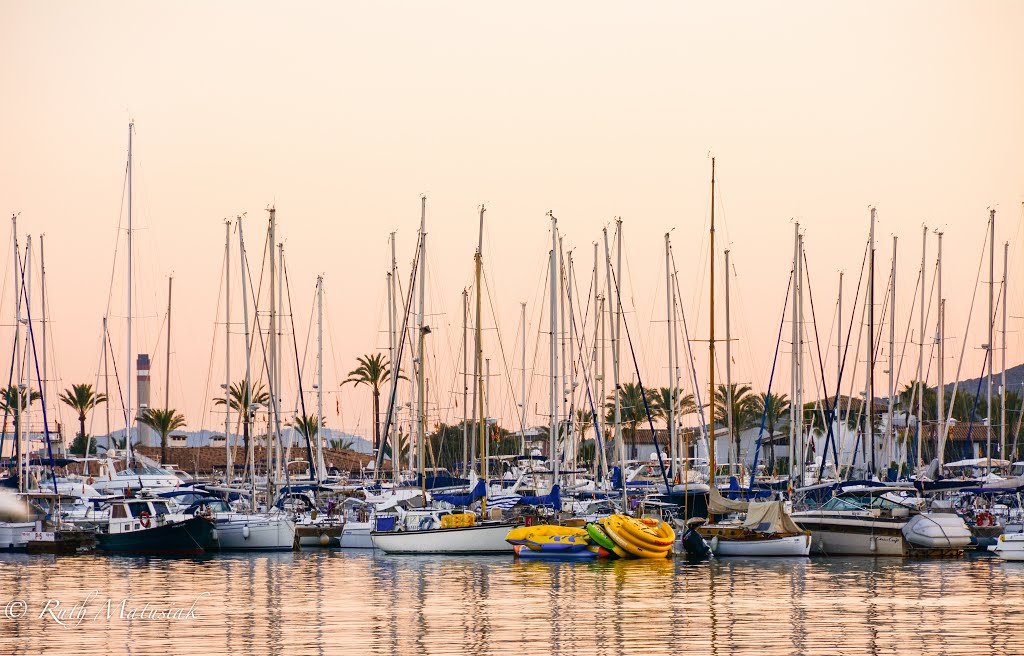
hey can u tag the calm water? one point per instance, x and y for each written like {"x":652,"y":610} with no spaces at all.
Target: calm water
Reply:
{"x":330,"y":602}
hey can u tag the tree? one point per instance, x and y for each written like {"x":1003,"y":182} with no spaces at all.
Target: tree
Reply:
{"x":242,"y":399}
{"x":308,"y":427}
{"x":631,"y":407}
{"x":10,"y":406}
{"x":82,"y":399}
{"x":773,"y":407}
{"x":661,"y":403}
{"x":744,"y":410}
{"x":342,"y":444}
{"x":163,"y":422}
{"x":373,"y":371}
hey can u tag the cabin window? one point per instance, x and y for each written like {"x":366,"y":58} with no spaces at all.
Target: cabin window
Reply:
{"x":159,"y":508}
{"x":118,"y":512}
{"x":138,"y":508}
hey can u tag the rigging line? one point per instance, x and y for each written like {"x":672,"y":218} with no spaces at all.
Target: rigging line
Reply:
{"x":643,"y":394}
{"x":986,"y":365}
{"x":849,"y":333}
{"x":501,"y":344}
{"x":963,"y":344}
{"x":768,"y":395}
{"x":829,"y":410}
{"x":213,"y":348}
{"x":702,"y":421}
{"x":298,"y":366}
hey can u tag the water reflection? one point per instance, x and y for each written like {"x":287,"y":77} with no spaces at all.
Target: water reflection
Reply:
{"x":330,"y":602}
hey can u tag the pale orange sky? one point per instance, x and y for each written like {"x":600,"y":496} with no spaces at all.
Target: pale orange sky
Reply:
{"x":342,"y":114}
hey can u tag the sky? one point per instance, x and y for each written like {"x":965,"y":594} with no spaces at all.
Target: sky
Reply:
{"x":341,"y":115}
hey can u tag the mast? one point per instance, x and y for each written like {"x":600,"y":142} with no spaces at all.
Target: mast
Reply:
{"x":794,"y":405}
{"x":393,"y":366}
{"x":728,"y":372}
{"x":839,"y":361}
{"x":479,"y":382}
{"x":106,"y":380}
{"x":422,"y":332}
{"x":802,"y":437}
{"x":620,"y":445}
{"x":281,"y":460}
{"x":870,"y":363}
{"x":671,"y":357}
{"x":229,"y":468}
{"x":891,"y":429}
{"x":320,"y":469}
{"x":990,"y":321}
{"x":272,"y":356}
{"x":167,"y":372}
{"x":567,"y":327}
{"x":17,"y":356}
{"x":1002,"y":385}
{"x":553,"y":351}
{"x":711,"y":339}
{"x":247,"y":397}
{"x":465,"y":381}
{"x":129,"y":417}
{"x":25,"y":425}
{"x":940,"y":391}
{"x":920,"y":354}
{"x":42,"y":300}
{"x":522,"y":382}
{"x":617,"y":346}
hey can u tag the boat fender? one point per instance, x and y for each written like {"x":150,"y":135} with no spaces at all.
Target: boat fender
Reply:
{"x":714,"y":544}
{"x":325,"y":539}
{"x":245,"y":532}
{"x":874,"y":544}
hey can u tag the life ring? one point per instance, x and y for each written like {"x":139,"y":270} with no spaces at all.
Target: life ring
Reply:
{"x":144,"y":518}
{"x":985,"y":519}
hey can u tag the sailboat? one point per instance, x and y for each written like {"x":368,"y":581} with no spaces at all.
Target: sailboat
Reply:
{"x":432,"y":530}
{"x":767,"y":530}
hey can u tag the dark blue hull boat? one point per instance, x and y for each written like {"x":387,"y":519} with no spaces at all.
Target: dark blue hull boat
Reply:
{"x":190,"y":537}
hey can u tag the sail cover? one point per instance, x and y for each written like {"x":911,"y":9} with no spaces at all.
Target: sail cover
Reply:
{"x":769,"y":517}
{"x":719,"y":505}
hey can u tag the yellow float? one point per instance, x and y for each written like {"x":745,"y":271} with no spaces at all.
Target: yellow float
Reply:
{"x":642,"y":539}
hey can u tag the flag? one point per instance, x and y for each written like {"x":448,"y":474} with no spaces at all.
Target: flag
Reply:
{"x":337,"y":406}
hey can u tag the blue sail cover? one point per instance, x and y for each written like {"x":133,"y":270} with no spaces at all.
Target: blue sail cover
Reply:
{"x":477,"y":492}
{"x":552,"y":499}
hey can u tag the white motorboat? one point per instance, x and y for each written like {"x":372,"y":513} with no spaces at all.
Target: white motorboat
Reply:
{"x":870,"y":521}
{"x":110,"y":481}
{"x":1009,"y":546}
{"x":763,"y":545}
{"x":11,"y":538}
{"x":236,"y":531}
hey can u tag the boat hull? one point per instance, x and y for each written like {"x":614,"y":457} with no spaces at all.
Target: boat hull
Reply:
{"x":264,"y":534}
{"x":1009,"y":547}
{"x":482,"y":539}
{"x":190,"y":537}
{"x":791,"y":545}
{"x":841,"y":536}
{"x":11,"y":538}
{"x":356,"y":535}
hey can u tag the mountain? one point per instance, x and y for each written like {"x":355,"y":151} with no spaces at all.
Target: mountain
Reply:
{"x":1014,"y":382}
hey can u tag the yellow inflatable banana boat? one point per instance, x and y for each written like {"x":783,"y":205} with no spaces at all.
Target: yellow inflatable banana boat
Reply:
{"x":642,"y":539}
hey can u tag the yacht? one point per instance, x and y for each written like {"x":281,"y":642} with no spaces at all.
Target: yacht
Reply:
{"x":148,"y":525}
{"x":238,"y":531}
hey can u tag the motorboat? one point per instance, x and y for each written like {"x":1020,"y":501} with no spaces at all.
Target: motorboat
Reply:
{"x":147,"y":525}
{"x":871,"y":521}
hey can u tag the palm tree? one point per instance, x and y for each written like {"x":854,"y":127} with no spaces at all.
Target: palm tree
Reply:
{"x":773,"y":407}
{"x":9,"y":405}
{"x":308,"y":427}
{"x":744,"y":410}
{"x":242,"y":398}
{"x":661,"y":404}
{"x":81,"y":398}
{"x":163,"y":422}
{"x":631,"y":407}
{"x":342,"y":444}
{"x":373,"y":371}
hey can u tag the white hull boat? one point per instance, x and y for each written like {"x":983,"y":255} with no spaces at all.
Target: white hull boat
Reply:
{"x":479,"y":539}
{"x":356,"y":535}
{"x":239,"y":532}
{"x":11,"y":535}
{"x":1009,"y":546}
{"x":791,"y":545}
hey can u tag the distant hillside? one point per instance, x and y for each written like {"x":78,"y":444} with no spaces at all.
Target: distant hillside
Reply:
{"x":202,"y":438}
{"x":1014,"y":381}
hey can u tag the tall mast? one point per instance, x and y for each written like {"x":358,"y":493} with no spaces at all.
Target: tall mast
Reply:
{"x":617,"y":345}
{"x":394,"y":367}
{"x":25,"y":425}
{"x":802,"y":437}
{"x":553,"y":351}
{"x":229,"y":469}
{"x":990,"y":320}
{"x":921,"y":386}
{"x":522,"y":381}
{"x":320,"y":469}
{"x":671,"y":357}
{"x":728,"y":372}
{"x":272,"y":354}
{"x":1002,"y":385}
{"x":794,"y":394}
{"x":247,"y":396}
{"x":465,"y":381}
{"x":281,"y":460}
{"x":940,"y":391}
{"x":839,"y":356}
{"x":167,"y":371}
{"x":711,"y":339}
{"x":42,"y":300}
{"x":891,"y":429}
{"x":870,"y":360}
{"x":17,"y":355}
{"x":563,"y":289}
{"x":613,"y":303}
{"x":482,"y":431}
{"x":421,"y":432}
{"x":129,"y":416}
{"x":676,"y":373}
